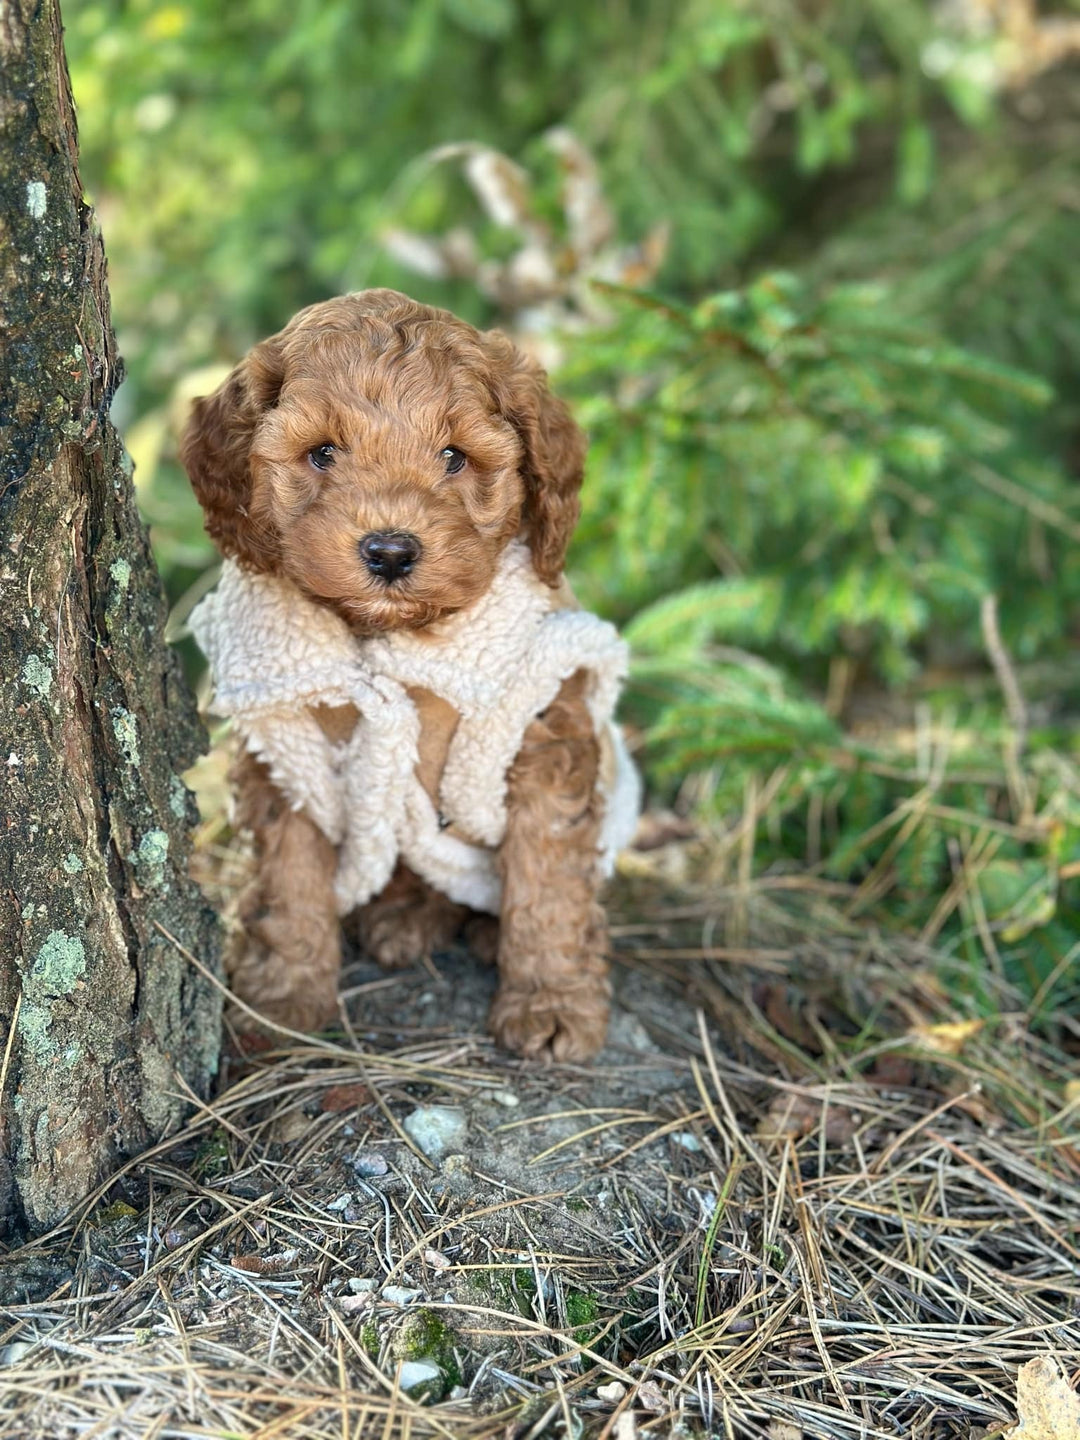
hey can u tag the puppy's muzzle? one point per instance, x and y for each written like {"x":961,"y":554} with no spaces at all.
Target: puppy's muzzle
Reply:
{"x":389,"y":554}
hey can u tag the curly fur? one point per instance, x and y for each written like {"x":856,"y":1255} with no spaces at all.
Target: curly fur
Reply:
{"x":390,"y":384}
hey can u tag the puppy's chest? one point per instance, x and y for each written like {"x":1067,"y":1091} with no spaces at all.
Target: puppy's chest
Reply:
{"x":439,"y":721}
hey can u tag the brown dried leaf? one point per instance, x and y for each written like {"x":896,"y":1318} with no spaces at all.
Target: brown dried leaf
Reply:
{"x":970,"y":1099}
{"x":1047,"y":1405}
{"x":793,"y":1116}
{"x":253,"y":1042}
{"x":892,"y":1072}
{"x":779,"y":1005}
{"x":290,"y":1127}
{"x":345,"y":1097}
{"x":266,"y":1264}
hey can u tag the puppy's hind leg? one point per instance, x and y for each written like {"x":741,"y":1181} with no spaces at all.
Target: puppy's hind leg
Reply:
{"x":409,"y":921}
{"x":287,"y":958}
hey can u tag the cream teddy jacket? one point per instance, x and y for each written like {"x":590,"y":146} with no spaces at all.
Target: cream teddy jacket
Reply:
{"x":274,"y":653}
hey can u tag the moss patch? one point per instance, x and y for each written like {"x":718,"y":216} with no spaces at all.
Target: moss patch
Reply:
{"x":510,"y":1288}
{"x":425,"y":1335}
{"x":211,"y":1155}
{"x":581,"y":1315}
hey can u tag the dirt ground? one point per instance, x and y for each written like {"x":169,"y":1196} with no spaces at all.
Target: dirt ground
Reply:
{"x":798,"y":1195}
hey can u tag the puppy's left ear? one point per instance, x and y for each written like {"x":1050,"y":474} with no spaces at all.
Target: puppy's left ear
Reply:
{"x":554,"y":460}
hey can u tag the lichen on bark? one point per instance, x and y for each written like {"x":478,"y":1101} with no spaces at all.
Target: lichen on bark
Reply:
{"x":113,"y":1021}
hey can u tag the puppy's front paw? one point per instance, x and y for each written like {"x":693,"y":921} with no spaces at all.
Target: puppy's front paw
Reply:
{"x":305,"y":1013}
{"x":567,"y":1025}
{"x":293,"y":985}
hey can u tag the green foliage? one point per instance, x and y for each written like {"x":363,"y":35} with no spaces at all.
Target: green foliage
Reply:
{"x":247,"y":155}
{"x":784,"y":480}
{"x":845,"y":460}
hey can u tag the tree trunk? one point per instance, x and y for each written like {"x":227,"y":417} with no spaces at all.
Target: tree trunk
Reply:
{"x":102,"y":1021}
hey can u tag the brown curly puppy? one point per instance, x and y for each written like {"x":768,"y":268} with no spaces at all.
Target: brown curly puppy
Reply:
{"x":426,"y":714}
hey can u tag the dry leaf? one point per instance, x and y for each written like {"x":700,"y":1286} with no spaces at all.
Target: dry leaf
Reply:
{"x":784,"y":1430}
{"x":1047,"y":1405}
{"x":793,"y":1116}
{"x":266,"y":1264}
{"x":292,"y":1126}
{"x":252,"y":1042}
{"x":345,"y":1097}
{"x":950,"y":1037}
{"x":625,"y":1427}
{"x":780,"y":1006}
{"x":970,"y":1100}
{"x":892,"y":1072}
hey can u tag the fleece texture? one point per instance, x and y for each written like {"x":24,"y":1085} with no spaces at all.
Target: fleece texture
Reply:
{"x":274,"y":653}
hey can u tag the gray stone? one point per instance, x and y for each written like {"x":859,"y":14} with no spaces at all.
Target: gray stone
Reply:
{"x":370,"y":1163}
{"x":400,"y":1295}
{"x":438,"y":1130}
{"x":417,"y":1373}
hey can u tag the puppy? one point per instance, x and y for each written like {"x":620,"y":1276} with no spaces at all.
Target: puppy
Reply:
{"x":426,"y":715}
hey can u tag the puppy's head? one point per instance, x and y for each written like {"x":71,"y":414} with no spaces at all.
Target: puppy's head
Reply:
{"x":381,"y":454}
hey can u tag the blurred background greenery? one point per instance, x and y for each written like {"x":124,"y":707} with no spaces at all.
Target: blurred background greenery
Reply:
{"x":806,"y":269}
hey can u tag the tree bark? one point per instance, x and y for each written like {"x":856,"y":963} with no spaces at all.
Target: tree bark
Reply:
{"x":102,"y":1021}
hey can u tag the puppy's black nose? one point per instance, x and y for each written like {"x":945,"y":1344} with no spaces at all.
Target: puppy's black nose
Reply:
{"x":389,"y":554}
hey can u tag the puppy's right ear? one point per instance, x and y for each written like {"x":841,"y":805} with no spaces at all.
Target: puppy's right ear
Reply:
{"x":215,"y":450}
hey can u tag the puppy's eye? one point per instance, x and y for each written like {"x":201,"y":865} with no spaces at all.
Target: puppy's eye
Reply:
{"x":322,"y":457}
{"x":454,"y":459}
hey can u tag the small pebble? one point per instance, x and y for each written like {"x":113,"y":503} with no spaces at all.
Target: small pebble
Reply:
{"x":687,"y":1141}
{"x":458,"y":1392}
{"x":342,"y":1202}
{"x":506,"y":1098}
{"x":437,"y":1259}
{"x":436,"y":1129}
{"x":356,"y":1304}
{"x":651,"y":1396}
{"x":400,"y":1295}
{"x":369,"y":1163}
{"x":613,"y":1392}
{"x":359,"y":1286}
{"x":418,"y":1372}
